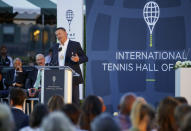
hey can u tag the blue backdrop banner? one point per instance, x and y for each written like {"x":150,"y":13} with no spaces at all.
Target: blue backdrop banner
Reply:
{"x":133,"y":45}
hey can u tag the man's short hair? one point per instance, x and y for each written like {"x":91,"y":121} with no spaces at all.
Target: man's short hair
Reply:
{"x":61,"y":28}
{"x":39,"y":55}
{"x":3,"y":46}
{"x":17,"y":95}
{"x":50,"y":50}
{"x":6,"y":118}
{"x":17,"y":59}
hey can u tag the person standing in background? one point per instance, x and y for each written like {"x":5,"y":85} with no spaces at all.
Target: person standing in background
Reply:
{"x":4,"y":59}
{"x":48,"y":57}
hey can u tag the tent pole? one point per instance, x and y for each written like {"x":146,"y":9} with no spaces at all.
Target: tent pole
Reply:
{"x":43,"y":32}
{"x":43,"y":20}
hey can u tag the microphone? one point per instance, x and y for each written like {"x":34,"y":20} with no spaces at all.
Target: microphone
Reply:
{"x":59,"y":49}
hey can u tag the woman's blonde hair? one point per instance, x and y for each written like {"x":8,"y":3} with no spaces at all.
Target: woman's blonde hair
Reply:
{"x":139,"y":110}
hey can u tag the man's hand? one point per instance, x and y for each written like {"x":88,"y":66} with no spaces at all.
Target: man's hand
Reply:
{"x":32,"y":92}
{"x":14,"y":84}
{"x":19,"y":68}
{"x":75,"y":58}
{"x":17,"y":84}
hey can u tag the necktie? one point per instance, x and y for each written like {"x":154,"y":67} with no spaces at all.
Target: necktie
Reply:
{"x":37,"y":82}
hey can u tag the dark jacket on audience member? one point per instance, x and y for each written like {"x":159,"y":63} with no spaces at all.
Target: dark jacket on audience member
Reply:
{"x":20,"y":78}
{"x":21,"y":119}
{"x":31,"y":79}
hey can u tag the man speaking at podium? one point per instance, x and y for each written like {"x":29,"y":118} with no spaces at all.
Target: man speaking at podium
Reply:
{"x":69,"y":53}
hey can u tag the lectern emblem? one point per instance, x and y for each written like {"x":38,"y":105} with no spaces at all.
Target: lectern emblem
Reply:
{"x":53,"y":79}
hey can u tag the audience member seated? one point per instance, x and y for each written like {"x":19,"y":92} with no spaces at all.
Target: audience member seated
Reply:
{"x":104,"y":122}
{"x":125,"y":106}
{"x":33,"y":80}
{"x":91,"y":108}
{"x":4,"y":59}
{"x":55,"y":103}
{"x":180,"y":112}
{"x":165,"y":114}
{"x":48,"y":57}
{"x":17,"y":98}
{"x":3,"y":91}
{"x":1,"y":81}
{"x":186,"y":124}
{"x":142,"y":116}
{"x":181,"y":100}
{"x":102,"y":102}
{"x":6,"y":118}
{"x":36,"y":117}
{"x":73,"y":113}
{"x":57,"y":121}
{"x":17,"y":76}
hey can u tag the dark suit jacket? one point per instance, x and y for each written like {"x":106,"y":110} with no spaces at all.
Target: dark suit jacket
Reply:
{"x":21,"y":119}
{"x":31,"y":78}
{"x":75,"y":48}
{"x":20,"y":78}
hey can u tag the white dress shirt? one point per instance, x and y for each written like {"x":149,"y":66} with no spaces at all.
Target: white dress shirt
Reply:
{"x":62,"y":53}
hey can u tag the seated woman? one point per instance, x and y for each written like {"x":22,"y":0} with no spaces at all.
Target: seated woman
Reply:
{"x":36,"y":117}
{"x":165,"y":114}
{"x":91,"y":108}
{"x":142,"y":116}
{"x":55,"y":103}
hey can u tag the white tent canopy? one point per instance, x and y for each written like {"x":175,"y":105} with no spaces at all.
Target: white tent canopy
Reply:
{"x":23,"y":6}
{"x":54,"y":1}
{"x":28,"y":10}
